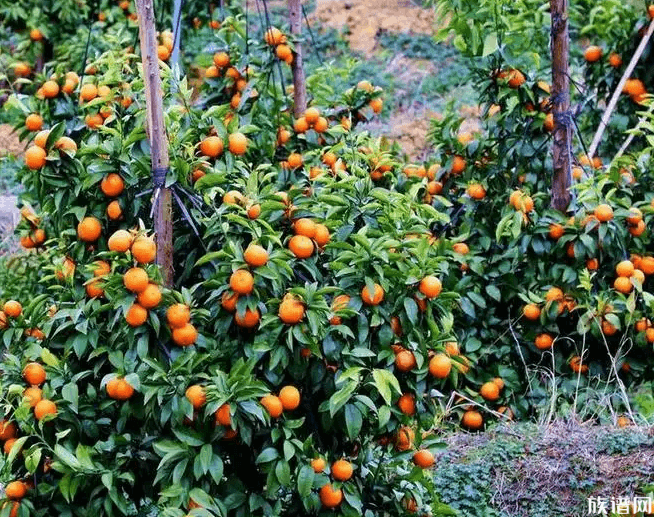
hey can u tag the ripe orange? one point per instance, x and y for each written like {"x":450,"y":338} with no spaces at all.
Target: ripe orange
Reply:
{"x":196,"y":396}
{"x":377,"y":105}
{"x":273,"y":405}
{"x":44,"y":407}
{"x":577,"y":366}
{"x":531,"y":311}
{"x":89,"y":229}
{"x":300,"y":125}
{"x":638,"y":229}
{"x":254,"y":211}
{"x":458,"y":165}
{"x":15,"y":490}
{"x":120,"y":241}
{"x":556,"y":231}
{"x":440,"y":366}
{"x":241,"y":281}
{"x":248,"y":320}
{"x":404,"y":438}
{"x":93,"y":121}
{"x":255,"y":255}
{"x":490,"y":391}
{"x":228,"y":301}
{"x":41,"y":138}
{"x":12,"y":308}
{"x":94,"y":289}
{"x":424,"y":458}
{"x":603,"y":213}
{"x":635,"y":216}
{"x":321,"y":125}
{"x":186,"y":335}
{"x":290,"y":398}
{"x":32,"y":395}
{"x":238,"y":143}
{"x":430,"y":286}
{"x":112,"y":185}
{"x":221,"y":59}
{"x":554,"y":294}
{"x":211,"y":146}
{"x":163,"y":53}
{"x":461,"y":248}
{"x":284,"y":52}
{"x":593,"y":54}
{"x":294,"y":160}
{"x":136,"y":315}
{"x":330,"y":497}
{"x":9,"y":444}
{"x":150,"y":297}
{"x":301,"y":246}
{"x":476,"y":191}
{"x":342,"y":470}
{"x":33,"y":122}
{"x":306,"y":227}
{"x":66,"y":144}
{"x":544,"y":341}
{"x":405,"y":360}
{"x":178,"y":315}
{"x":624,"y":268}
{"x":615,"y":60}
{"x":114,"y":210}
{"x":223,"y":415}
{"x":88,"y":92}
{"x":50,"y":89}
{"x":34,"y":374}
{"x":623,"y":284}
{"x":35,"y":157}
{"x":291,"y":310}
{"x":274,"y":36}
{"x":7,"y":430}
{"x":318,"y":465}
{"x":374,"y":298}
{"x":516,"y":78}
{"x":144,"y":250}
{"x":472,"y":420}
{"x":499,"y":382}
{"x":407,"y":404}
{"x":119,"y":389}
{"x":136,"y":279}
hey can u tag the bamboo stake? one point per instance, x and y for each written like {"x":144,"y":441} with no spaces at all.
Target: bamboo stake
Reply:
{"x":162,"y":202}
{"x":562,"y":148}
{"x":299,"y":83}
{"x":616,"y":94}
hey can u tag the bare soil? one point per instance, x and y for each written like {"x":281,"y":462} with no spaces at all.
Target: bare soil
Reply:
{"x":9,"y":143}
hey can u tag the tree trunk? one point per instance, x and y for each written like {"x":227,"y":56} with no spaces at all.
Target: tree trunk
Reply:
{"x":562,"y":149}
{"x":299,"y":83}
{"x":163,"y":220}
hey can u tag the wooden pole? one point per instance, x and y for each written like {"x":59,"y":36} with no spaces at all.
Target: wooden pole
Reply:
{"x":163,"y":220}
{"x":299,"y":83}
{"x":562,"y":148}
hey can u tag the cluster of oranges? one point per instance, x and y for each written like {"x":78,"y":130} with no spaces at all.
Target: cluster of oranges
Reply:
{"x":310,"y":119}
{"x":165,"y":47}
{"x":183,"y":331}
{"x":213,"y":146}
{"x":35,"y":236}
{"x":36,"y":155}
{"x":112,"y":186}
{"x":277,"y":39}
{"x":35,"y":375}
{"x":306,"y":233}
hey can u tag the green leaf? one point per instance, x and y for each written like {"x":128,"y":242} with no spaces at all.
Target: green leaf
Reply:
{"x":305,"y":480}
{"x":340,"y":398}
{"x":267,"y":455}
{"x":490,"y":44}
{"x":385,"y":380}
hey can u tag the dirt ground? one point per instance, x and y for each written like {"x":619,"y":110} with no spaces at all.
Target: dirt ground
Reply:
{"x":9,"y":143}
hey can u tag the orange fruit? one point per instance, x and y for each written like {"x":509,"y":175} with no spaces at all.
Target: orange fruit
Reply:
{"x":318,"y":465}
{"x":490,"y":391}
{"x":531,"y":311}
{"x":163,"y":53}
{"x":186,"y":335}
{"x":94,"y":289}
{"x":144,"y":250}
{"x":9,"y":444}
{"x":273,"y":405}
{"x":114,"y":210}
{"x":624,"y":268}
{"x":291,"y":310}
{"x":404,"y":438}
{"x":458,"y":165}
{"x":424,"y":458}
{"x":196,"y":396}
{"x":499,"y":382}
{"x":577,"y":366}
{"x":342,"y":470}
{"x":44,"y":407}
{"x":623,"y":284}
{"x":15,"y":490}
{"x":178,"y":315}
{"x":7,"y":430}
{"x":273,"y":36}
{"x":248,"y":320}
{"x":35,"y":157}
{"x":330,"y":497}
{"x":290,"y":398}
{"x":223,"y":415}
{"x":305,"y":227}
{"x":120,"y":240}
{"x":284,"y":52}
{"x":377,"y":105}
{"x":212,"y":146}
{"x":440,"y":366}
{"x":228,"y":301}
{"x":119,"y":389}
{"x":112,"y":185}
{"x":603,"y":213}
{"x":554,"y":294}
{"x":300,"y":125}
{"x":430,"y":286}
{"x":544,"y":341}
{"x":322,"y":236}
{"x":301,"y":246}
{"x":136,"y":279}
{"x":150,"y":297}
{"x":407,"y":404}
{"x":136,"y":315}
{"x":254,"y":211}
{"x":374,"y":298}
{"x":50,"y":89}
{"x":593,"y":54}
{"x":241,"y":281}
{"x":516,"y":78}
{"x":221,"y":59}
{"x":405,"y":360}
{"x":32,"y":395}
{"x":238,"y":143}
{"x":321,"y":125}
{"x":12,"y":308}
{"x":33,"y":122}
{"x":476,"y":191}
{"x":461,"y":248}
{"x":88,"y":92}
{"x":89,"y":229}
{"x":638,"y":229}
{"x":34,"y":374}
{"x":635,"y":216}
{"x":472,"y":420}
{"x":294,"y":160}
{"x":94,"y":121}
{"x":556,"y":231}
{"x":615,"y":60}
{"x":41,"y":138}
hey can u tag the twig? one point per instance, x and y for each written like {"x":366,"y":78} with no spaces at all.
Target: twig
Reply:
{"x":616,"y":94}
